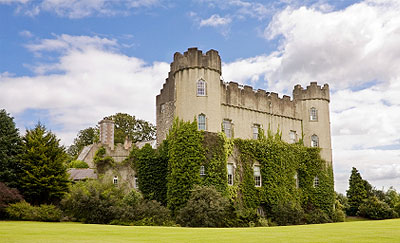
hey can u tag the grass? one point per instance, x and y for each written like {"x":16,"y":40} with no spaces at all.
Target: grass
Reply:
{"x":360,"y":231}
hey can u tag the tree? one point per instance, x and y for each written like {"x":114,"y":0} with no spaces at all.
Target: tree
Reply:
{"x":85,"y":137}
{"x":359,"y":190}
{"x":10,"y":148}
{"x":43,"y":178}
{"x":135,"y":129}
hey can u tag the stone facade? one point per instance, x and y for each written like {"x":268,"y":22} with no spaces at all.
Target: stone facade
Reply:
{"x":194,"y":90}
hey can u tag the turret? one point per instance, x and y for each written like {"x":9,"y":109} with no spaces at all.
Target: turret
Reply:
{"x":312,"y":106}
{"x":107,"y":132}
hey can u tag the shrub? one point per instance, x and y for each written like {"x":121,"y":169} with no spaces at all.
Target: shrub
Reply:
{"x":287,"y":213}
{"x":373,"y":208}
{"x":25,"y":211}
{"x":78,"y":164}
{"x":94,"y":202}
{"x":146,"y":212}
{"x":7,"y":196}
{"x":317,"y":216}
{"x":206,"y":208}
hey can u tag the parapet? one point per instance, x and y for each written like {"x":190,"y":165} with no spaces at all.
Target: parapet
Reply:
{"x":313,"y":91}
{"x":193,"y":58}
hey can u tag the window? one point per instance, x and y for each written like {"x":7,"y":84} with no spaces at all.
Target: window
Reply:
{"x":255,"y":131}
{"x":257,"y":175}
{"x":202,"y":171}
{"x":292,"y":137}
{"x":115,"y":180}
{"x":230,"y":174}
{"x":136,"y":182}
{"x":227,"y":126}
{"x":314,"y":141}
{"x":313,"y":114}
{"x":201,"y":121}
{"x":296,"y":180}
{"x":201,"y":88}
{"x":316,"y":182}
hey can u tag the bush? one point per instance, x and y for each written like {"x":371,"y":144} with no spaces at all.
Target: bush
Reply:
{"x":287,"y":213}
{"x":146,"y":212}
{"x":7,"y":196}
{"x":78,"y":164}
{"x":206,"y":208}
{"x":25,"y":211}
{"x":317,"y":216}
{"x":373,"y":208}
{"x":94,"y":202}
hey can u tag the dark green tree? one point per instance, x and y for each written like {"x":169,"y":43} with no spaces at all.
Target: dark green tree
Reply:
{"x":10,"y":148}
{"x":43,"y":178}
{"x":186,"y":154}
{"x":359,"y":190}
{"x":135,"y":129}
{"x":85,"y":137}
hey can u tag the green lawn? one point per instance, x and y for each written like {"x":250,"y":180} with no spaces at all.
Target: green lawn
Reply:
{"x":361,"y":231}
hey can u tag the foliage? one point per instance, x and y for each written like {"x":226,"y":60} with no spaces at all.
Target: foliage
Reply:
{"x":24,"y":211}
{"x":287,"y":213}
{"x":101,"y":161}
{"x":185,"y":154}
{"x":358,"y":191}
{"x":392,"y":198}
{"x":317,"y":216}
{"x":135,"y":129}
{"x":206,"y":208}
{"x":152,"y":166}
{"x":94,"y":202}
{"x":10,"y":148}
{"x":7,"y":196}
{"x":85,"y":137}
{"x":44,"y":178}
{"x":146,"y":212}
{"x":340,"y":206}
{"x":373,"y":208}
{"x":78,"y":164}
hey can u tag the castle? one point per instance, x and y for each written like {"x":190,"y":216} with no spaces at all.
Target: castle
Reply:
{"x":194,"y":89}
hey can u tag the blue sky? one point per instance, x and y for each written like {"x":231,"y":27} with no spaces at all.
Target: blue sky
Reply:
{"x":70,"y":63}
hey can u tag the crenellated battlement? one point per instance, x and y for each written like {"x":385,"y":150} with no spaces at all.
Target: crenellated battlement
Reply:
{"x":313,"y":91}
{"x":258,"y":100}
{"x":194,"y":58}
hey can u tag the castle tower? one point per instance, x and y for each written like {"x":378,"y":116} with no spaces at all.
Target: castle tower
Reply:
{"x":107,"y":132}
{"x":191,"y":91}
{"x":312,"y":106}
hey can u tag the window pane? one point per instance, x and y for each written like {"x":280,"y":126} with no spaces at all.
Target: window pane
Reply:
{"x":255,"y":131}
{"x":201,"y":88}
{"x":201,"y":122}
{"x":313,"y":114}
{"x":227,"y":128}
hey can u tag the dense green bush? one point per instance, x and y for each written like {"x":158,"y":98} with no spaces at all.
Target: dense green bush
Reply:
{"x":317,"y":216}
{"x":25,"y":211}
{"x":373,"y":208}
{"x":7,"y":196}
{"x":145,"y":212}
{"x":287,"y":213}
{"x":78,"y":164}
{"x":206,"y":208}
{"x":94,"y":202}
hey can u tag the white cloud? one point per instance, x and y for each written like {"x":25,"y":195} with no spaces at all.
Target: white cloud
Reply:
{"x":215,"y":20}
{"x":80,"y":8}
{"x":92,"y":82}
{"x":356,"y":51}
{"x":26,"y":33}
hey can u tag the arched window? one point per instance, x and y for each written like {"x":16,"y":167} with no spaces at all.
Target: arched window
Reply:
{"x":313,"y":114}
{"x":316,"y":181}
{"x":115,"y":180}
{"x":201,"y":122}
{"x":201,"y":88}
{"x":314,"y":141}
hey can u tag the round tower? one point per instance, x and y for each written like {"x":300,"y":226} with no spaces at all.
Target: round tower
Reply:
{"x":192,"y":90}
{"x":312,"y":106}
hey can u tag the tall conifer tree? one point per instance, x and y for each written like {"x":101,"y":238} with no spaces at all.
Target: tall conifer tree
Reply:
{"x":10,"y":148}
{"x":359,"y":190}
{"x":44,"y":177}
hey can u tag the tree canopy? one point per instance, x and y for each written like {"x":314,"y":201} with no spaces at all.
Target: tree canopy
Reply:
{"x":358,"y":191}
{"x":10,"y":148}
{"x":85,"y":137}
{"x":43,"y":178}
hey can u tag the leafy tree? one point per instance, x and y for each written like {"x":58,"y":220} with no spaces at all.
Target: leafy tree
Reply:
{"x":85,"y":137}
{"x":7,"y":196}
{"x":10,"y":148}
{"x":206,"y":208}
{"x":78,"y":164}
{"x":373,"y":208}
{"x":359,"y":190}
{"x":44,"y":177}
{"x":135,"y":129}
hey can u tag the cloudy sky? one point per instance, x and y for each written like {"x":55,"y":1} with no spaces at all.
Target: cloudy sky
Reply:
{"x":69,"y":63}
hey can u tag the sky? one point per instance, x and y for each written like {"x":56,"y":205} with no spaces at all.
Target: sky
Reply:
{"x":69,"y":63}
